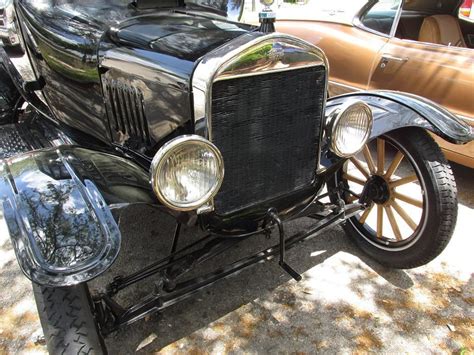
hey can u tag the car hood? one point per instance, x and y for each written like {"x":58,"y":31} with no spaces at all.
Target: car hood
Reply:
{"x":180,"y":35}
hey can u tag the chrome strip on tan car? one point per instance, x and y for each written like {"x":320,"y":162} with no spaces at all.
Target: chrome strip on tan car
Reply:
{"x":345,"y":88}
{"x":468,"y":120}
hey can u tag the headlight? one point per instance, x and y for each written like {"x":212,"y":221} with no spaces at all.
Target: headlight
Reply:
{"x":349,"y":128}
{"x":187,"y":172}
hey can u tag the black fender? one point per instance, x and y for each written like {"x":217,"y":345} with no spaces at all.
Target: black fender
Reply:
{"x":58,"y":204}
{"x":9,"y":96}
{"x":393,"y":110}
{"x":25,"y":83}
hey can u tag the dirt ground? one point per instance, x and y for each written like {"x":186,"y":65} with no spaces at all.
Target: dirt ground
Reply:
{"x":345,"y":303}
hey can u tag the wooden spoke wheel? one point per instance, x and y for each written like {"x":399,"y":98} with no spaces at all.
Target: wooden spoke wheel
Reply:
{"x":397,"y":195}
{"x":412,"y":194}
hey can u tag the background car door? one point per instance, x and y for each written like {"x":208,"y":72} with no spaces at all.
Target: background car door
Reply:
{"x":440,"y":73}
{"x":355,"y":50}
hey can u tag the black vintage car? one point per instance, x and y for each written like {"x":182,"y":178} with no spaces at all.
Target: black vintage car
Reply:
{"x":224,"y":126}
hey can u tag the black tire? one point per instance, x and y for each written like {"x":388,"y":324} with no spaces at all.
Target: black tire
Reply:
{"x":439,"y":213}
{"x":68,"y":323}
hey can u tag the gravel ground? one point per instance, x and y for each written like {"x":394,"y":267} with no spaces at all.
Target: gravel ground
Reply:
{"x":346,"y":302}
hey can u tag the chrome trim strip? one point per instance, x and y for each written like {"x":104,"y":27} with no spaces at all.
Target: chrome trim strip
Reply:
{"x":353,"y":88}
{"x":263,"y":72}
{"x":434,"y":45}
{"x":468,"y":120}
{"x":396,"y":21}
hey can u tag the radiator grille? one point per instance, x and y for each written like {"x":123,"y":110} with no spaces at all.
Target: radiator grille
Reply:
{"x":126,"y":114}
{"x":267,"y":128}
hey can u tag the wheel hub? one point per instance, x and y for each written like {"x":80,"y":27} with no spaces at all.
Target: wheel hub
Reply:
{"x":378,"y":189}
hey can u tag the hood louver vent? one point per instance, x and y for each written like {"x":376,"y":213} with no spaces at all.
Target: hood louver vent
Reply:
{"x":126,"y":115}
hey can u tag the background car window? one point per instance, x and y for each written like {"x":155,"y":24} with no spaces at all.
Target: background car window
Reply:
{"x":430,"y":23}
{"x":381,"y":16}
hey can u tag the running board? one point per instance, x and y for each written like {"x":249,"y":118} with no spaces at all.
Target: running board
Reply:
{"x":31,"y":134}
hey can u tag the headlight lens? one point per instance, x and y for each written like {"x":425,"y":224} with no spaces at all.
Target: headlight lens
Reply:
{"x":187,"y":172}
{"x":350,"y":128}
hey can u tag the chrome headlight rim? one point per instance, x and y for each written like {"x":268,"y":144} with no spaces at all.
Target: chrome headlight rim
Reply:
{"x":335,"y":119}
{"x":165,"y":152}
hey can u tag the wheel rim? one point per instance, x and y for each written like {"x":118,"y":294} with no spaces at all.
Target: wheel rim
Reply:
{"x":397,"y":214}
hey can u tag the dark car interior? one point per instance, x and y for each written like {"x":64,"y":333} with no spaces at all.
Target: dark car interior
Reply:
{"x":431,"y":21}
{"x":380,"y":21}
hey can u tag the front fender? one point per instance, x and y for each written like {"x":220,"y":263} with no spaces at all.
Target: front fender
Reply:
{"x":57,"y":206}
{"x":393,"y":110}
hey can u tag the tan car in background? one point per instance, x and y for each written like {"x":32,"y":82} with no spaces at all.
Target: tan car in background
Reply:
{"x":418,"y":46}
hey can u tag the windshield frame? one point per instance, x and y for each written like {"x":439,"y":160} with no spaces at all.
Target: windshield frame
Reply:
{"x":371,"y":3}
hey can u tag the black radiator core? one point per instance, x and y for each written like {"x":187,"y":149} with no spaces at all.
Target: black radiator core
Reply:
{"x":267,"y":128}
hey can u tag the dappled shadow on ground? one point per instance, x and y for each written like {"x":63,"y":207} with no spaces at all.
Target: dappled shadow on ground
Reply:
{"x":19,"y":322}
{"x":464,"y":179}
{"x":298,"y":317}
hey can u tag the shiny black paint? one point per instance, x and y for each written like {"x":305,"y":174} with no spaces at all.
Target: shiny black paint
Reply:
{"x":156,"y":52}
{"x":78,"y":47}
{"x":63,"y":50}
{"x":393,"y":110}
{"x":58,"y":199}
{"x":156,"y":55}
{"x":61,"y":229}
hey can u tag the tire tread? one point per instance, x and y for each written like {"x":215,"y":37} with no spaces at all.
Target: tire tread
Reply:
{"x":67,"y":320}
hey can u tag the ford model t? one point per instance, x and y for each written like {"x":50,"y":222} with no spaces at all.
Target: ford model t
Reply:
{"x":226,"y":127}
